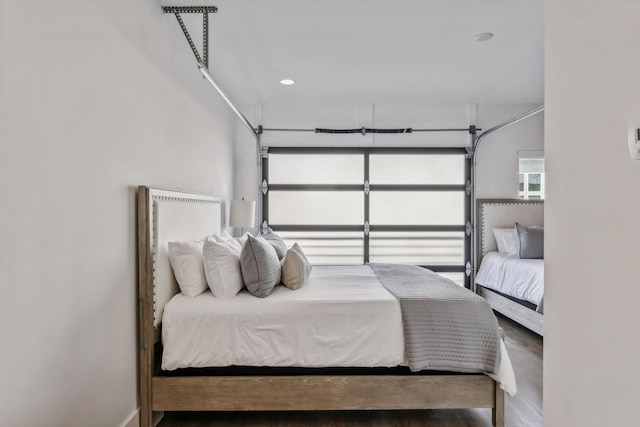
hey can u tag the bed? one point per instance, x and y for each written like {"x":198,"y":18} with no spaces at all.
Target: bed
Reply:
{"x":514,"y":287}
{"x":320,"y":384}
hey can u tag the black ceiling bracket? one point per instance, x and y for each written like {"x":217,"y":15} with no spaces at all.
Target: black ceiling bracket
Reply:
{"x":205,"y":10}
{"x":205,"y":39}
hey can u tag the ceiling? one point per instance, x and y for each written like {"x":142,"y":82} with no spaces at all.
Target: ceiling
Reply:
{"x":372,"y":51}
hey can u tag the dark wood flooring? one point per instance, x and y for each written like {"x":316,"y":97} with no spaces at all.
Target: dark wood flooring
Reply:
{"x":522,"y":410}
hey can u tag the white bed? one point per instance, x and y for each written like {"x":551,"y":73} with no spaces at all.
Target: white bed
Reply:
{"x":165,"y":216}
{"x":519,"y":278}
{"x":341,"y":317}
{"x":514,"y":287}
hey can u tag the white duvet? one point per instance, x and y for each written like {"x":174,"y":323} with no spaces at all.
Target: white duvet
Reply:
{"x":509,"y":275}
{"x":343,"y":317}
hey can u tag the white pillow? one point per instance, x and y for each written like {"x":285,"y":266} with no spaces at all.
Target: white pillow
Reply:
{"x":511,"y":243}
{"x":186,"y":261}
{"x":241,"y":240}
{"x":222,"y":269}
{"x":228,"y":240}
{"x":499,"y":234}
{"x":223,"y":235}
{"x":296,"y":268}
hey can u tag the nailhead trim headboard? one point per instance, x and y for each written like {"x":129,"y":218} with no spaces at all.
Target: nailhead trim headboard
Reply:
{"x":171,"y":216}
{"x":504,"y":213}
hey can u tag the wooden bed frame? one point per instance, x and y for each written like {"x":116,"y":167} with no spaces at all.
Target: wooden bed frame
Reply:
{"x":164,"y":216}
{"x":503,"y":213}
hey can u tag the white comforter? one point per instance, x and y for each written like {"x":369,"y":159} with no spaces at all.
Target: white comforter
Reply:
{"x":342,"y":317}
{"x":509,"y":275}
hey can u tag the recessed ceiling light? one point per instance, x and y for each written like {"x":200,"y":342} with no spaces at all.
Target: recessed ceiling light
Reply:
{"x":483,"y":37}
{"x":287,"y":82}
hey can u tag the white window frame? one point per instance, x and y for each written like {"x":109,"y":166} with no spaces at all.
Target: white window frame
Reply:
{"x":526,"y":193}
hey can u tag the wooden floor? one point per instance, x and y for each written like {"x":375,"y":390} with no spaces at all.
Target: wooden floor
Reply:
{"x":522,"y":410}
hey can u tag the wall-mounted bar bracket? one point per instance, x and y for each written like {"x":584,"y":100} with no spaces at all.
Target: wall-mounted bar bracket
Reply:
{"x":205,"y":10}
{"x":203,"y":65}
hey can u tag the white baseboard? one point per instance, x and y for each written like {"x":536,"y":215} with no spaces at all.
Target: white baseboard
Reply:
{"x":133,"y":420}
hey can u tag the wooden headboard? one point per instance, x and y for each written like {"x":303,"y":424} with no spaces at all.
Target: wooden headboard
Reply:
{"x":504,"y":213}
{"x":165,"y":216}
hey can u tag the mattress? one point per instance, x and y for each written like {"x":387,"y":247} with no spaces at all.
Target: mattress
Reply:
{"x":343,"y":316}
{"x":509,"y":275}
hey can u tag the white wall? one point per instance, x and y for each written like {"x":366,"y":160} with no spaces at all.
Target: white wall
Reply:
{"x":497,"y":171}
{"x":497,"y":159}
{"x":96,"y":98}
{"x":592,"y":242}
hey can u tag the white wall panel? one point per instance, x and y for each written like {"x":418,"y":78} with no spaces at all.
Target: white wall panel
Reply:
{"x":592,"y":232}
{"x":96,"y":98}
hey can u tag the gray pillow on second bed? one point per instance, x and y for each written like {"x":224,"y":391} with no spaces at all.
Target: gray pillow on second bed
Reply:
{"x":531,"y":241}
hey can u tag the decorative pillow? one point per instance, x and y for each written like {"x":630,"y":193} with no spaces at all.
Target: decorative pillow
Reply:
{"x":296,"y":268}
{"x":260,"y":266}
{"x":186,"y":261}
{"x":499,"y":234}
{"x":222,"y":269}
{"x":278,"y":244}
{"x":511,"y":243}
{"x":531,"y":241}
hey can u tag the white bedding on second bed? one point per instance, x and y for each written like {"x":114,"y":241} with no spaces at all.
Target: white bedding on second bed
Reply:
{"x":509,"y":275}
{"x":308,"y":327}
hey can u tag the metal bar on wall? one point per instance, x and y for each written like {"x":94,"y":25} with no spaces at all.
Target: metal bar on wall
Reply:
{"x":188,"y":36}
{"x":367,"y":204}
{"x":370,"y":150}
{"x":227,"y":99}
{"x":263,"y":190}
{"x":203,"y":66}
{"x":203,"y":62}
{"x":205,"y":39}
{"x":189,"y":9}
{"x":364,"y":130}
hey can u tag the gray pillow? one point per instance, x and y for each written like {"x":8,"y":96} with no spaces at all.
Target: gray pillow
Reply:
{"x":260,"y":266}
{"x":278,"y":244}
{"x":531,"y":241}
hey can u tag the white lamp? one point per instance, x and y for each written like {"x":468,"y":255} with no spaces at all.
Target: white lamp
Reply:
{"x":243,"y":213}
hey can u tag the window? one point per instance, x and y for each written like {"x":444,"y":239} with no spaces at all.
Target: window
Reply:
{"x":359,"y":205}
{"x":531,"y":178}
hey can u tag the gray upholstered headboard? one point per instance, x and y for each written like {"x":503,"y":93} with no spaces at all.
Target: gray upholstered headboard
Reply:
{"x":165,"y":216}
{"x":504,"y":213}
